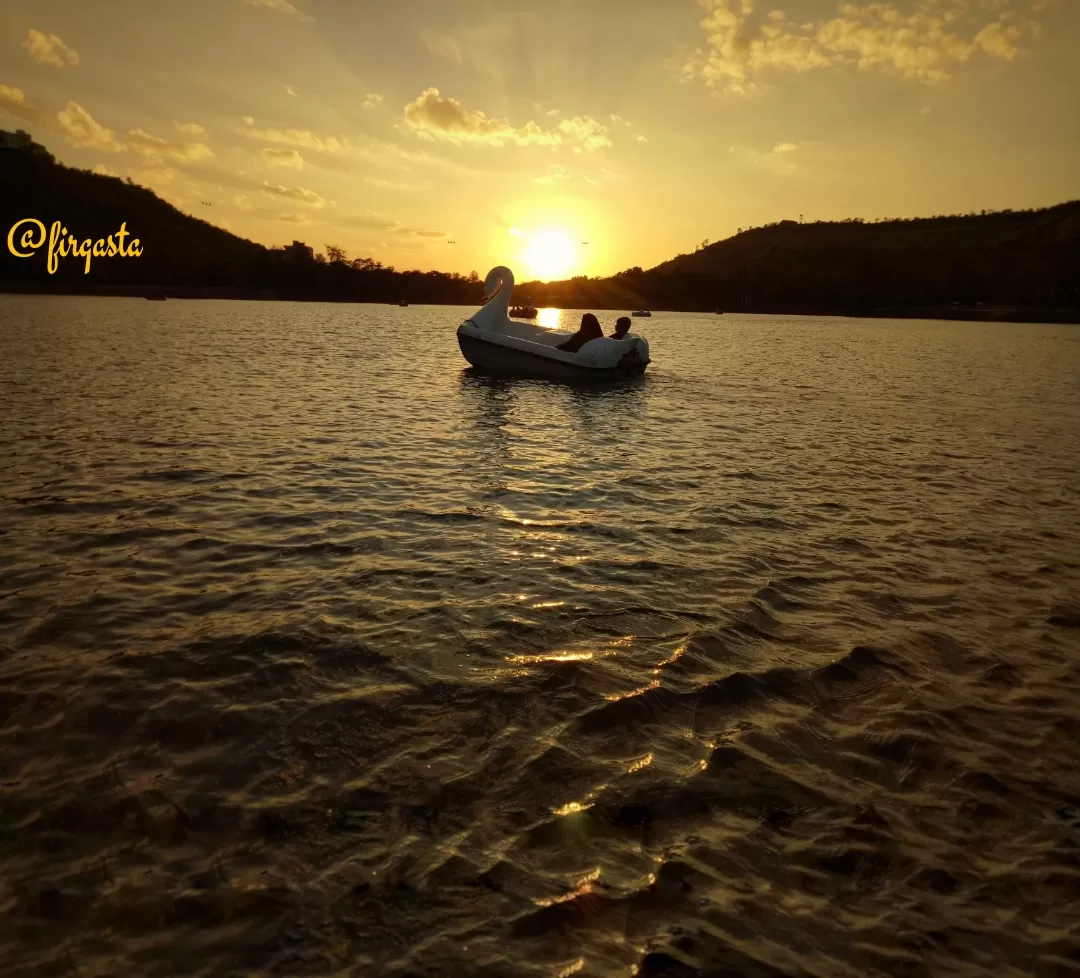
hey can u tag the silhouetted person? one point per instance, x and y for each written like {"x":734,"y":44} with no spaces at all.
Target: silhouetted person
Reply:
{"x":590,"y":330}
{"x":622,"y":327}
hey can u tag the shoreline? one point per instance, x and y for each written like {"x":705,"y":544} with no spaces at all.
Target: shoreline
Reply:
{"x":1063,"y":316}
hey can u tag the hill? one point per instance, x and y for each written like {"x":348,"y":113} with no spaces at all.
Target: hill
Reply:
{"x":181,"y":254}
{"x":1009,"y":265}
{"x":991,"y":265}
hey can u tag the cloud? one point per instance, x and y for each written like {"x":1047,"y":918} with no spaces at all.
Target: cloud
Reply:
{"x":433,"y":117}
{"x":374,"y":221}
{"x":554,"y":175}
{"x":485,"y":48}
{"x":154,"y":175}
{"x":48,"y":49}
{"x":585,"y":133}
{"x":157,"y":149}
{"x":82,"y":130}
{"x":289,"y":158}
{"x":103,"y":171}
{"x":390,"y":184}
{"x":642,"y":139}
{"x":924,"y":40}
{"x":282,"y":6}
{"x":191,"y":129}
{"x":339,"y":150}
{"x":300,"y":138}
{"x":778,"y":160}
{"x":289,"y":90}
{"x":298,"y":194}
{"x":372,"y":99}
{"x":13,"y":101}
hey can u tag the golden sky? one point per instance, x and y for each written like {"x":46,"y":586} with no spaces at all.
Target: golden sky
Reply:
{"x":519,"y":131}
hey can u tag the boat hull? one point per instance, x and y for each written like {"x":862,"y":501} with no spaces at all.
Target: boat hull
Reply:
{"x":494,"y":358}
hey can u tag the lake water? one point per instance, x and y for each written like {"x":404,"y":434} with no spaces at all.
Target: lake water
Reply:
{"x":320,"y":655}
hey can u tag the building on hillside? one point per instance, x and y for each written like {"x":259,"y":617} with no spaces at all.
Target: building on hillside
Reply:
{"x":21,"y":140}
{"x":299,"y":252}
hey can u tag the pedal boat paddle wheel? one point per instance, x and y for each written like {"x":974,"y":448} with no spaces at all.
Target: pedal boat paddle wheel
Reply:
{"x":494,"y":343}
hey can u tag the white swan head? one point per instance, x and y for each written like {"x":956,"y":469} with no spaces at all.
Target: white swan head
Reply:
{"x":499,"y":281}
{"x":495,"y":314}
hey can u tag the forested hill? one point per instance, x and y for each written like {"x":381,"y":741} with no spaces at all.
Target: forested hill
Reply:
{"x":992,"y":264}
{"x":181,"y":254}
{"x":1009,"y":265}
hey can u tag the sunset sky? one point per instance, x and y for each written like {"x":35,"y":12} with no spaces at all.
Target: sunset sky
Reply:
{"x":520,"y":130}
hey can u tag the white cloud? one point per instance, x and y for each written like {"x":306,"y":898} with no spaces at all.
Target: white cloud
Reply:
{"x":555,"y":174}
{"x":289,"y":90}
{"x":157,"y":149}
{"x":289,"y":158}
{"x":484,"y":48}
{"x":584,"y":132}
{"x":339,"y":149}
{"x":374,"y":221}
{"x":434,"y":117}
{"x":390,"y":184}
{"x":191,"y":129}
{"x":48,"y":49}
{"x":298,"y":194}
{"x":642,"y":139}
{"x":282,"y":6}
{"x":103,"y":171}
{"x":925,"y":40}
{"x":81,"y":129}
{"x":779,"y":160}
{"x":371,"y":100}
{"x":300,"y":138}
{"x":154,"y":175}
{"x":13,"y":101}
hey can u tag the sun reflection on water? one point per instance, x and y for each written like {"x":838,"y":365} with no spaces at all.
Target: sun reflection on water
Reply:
{"x":549,"y":318}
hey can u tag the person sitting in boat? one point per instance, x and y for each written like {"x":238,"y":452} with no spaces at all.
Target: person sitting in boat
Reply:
{"x":590,"y":330}
{"x":622,"y":327}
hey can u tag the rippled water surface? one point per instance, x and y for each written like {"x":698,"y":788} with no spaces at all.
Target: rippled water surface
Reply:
{"x":320,"y":655}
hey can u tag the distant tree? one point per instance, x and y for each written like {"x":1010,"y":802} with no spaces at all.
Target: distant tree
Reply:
{"x":321,"y":258}
{"x":473,"y":277}
{"x":335,"y":253}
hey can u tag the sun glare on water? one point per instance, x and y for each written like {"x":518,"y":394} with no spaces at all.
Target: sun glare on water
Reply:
{"x":550,"y":254}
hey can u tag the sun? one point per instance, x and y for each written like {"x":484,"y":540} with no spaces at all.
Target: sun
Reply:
{"x":550,"y":254}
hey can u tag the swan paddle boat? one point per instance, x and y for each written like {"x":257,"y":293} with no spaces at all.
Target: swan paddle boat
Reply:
{"x":491,"y":341}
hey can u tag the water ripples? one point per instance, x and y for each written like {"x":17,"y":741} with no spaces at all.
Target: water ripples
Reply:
{"x":320,"y":655}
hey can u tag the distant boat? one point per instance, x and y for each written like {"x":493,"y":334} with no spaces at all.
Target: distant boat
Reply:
{"x":524,"y":312}
{"x":719,"y":312}
{"x":402,"y":302}
{"x":641,"y":312}
{"x":156,"y":297}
